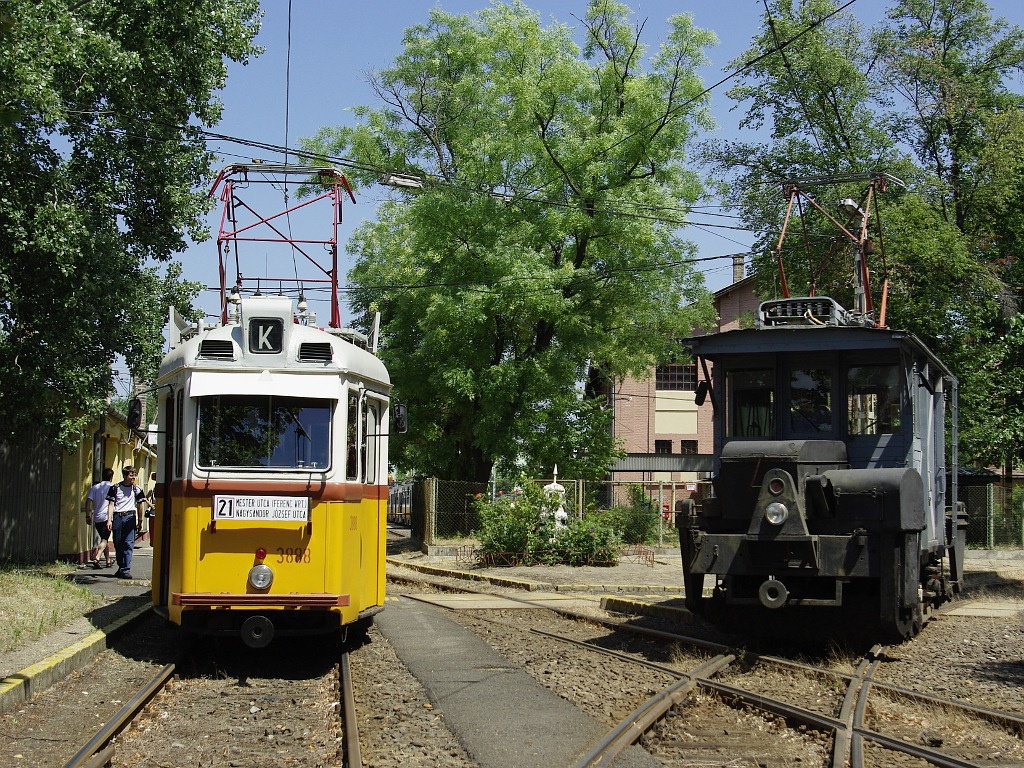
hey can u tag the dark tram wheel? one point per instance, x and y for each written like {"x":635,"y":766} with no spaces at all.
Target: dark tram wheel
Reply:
{"x":693,"y":583}
{"x":358,"y":632}
{"x":693,"y":592}
{"x":900,"y":602}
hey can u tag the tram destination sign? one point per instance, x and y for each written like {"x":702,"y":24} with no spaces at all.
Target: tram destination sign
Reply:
{"x":287,"y":508}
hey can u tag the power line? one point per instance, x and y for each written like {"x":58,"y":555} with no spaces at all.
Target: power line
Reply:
{"x":475,"y":287}
{"x":676,"y":110}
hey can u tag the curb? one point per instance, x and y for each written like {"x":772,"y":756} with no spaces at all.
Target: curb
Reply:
{"x":434,"y":570}
{"x":640,"y":608}
{"x":22,"y":686}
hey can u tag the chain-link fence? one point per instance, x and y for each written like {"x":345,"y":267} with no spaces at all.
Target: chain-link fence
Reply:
{"x":995,"y":513}
{"x":444,"y":510}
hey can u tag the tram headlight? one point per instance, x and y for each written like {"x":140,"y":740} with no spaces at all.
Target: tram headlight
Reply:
{"x":261,"y":576}
{"x":776,"y":513}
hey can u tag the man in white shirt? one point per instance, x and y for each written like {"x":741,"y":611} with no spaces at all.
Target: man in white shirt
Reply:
{"x":96,"y":514}
{"x":124,"y":507}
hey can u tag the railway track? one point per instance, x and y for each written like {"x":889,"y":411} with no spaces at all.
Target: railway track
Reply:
{"x":302,"y":712}
{"x":851,"y":717}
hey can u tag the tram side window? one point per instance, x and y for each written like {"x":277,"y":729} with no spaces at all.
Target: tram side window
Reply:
{"x":810,"y":400}
{"x":873,"y":400}
{"x":371,"y":439}
{"x":352,"y":441}
{"x":751,"y":396}
{"x":243,"y":431}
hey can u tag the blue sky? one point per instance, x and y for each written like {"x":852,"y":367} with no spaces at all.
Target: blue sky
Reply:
{"x":334,"y":44}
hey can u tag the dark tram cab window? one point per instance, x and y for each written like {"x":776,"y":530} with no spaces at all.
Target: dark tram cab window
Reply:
{"x":751,"y":398}
{"x":247,"y":431}
{"x":873,"y":400}
{"x":810,"y":400}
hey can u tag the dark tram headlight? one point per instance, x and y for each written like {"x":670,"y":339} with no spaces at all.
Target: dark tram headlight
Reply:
{"x":776,"y":513}
{"x":261,"y":576}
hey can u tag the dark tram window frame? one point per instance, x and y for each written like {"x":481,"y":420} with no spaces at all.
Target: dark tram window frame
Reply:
{"x":306,"y":421}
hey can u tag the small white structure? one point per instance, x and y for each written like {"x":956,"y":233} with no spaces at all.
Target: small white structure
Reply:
{"x":555,"y":493}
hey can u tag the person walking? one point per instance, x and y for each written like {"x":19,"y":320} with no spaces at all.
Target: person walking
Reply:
{"x":125,"y":502}
{"x":96,"y":515}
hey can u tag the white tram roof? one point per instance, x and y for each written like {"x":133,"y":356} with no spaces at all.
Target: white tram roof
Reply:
{"x":262,"y":350}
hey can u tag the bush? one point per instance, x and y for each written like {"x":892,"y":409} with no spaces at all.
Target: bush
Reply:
{"x":514,"y":531}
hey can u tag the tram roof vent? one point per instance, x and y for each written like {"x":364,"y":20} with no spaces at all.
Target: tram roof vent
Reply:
{"x":217,"y":349}
{"x":315,"y":352}
{"x":351,"y":335}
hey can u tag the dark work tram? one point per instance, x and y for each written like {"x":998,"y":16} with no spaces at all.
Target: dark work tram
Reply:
{"x":834,"y":485}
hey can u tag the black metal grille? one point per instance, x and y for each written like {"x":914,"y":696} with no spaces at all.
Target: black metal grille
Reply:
{"x":217,"y":349}
{"x":801,"y":311}
{"x":315,"y":352}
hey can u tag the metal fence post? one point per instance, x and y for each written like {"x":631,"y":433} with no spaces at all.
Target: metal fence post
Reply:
{"x":430,"y":520}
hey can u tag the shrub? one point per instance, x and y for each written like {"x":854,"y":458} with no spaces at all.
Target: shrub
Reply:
{"x":513,"y":530}
{"x":587,"y":542}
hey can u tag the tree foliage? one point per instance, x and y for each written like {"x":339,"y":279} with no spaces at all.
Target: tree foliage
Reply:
{"x":531,"y":269}
{"x":925,"y":98}
{"x":98,"y":184}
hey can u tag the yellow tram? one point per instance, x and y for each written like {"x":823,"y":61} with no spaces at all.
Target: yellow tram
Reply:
{"x":272,"y":489}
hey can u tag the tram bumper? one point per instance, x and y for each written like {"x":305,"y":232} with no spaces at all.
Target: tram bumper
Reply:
{"x":799,"y":571}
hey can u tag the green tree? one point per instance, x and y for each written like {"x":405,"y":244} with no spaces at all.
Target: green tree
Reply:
{"x":99,"y":183}
{"x":531,"y":270}
{"x":925,"y":98}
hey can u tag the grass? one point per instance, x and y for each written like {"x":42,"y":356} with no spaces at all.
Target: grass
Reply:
{"x":37,"y":600}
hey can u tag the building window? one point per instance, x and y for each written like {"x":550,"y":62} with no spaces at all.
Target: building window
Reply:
{"x":663,"y":446}
{"x":688,"y":447}
{"x":676,"y":376}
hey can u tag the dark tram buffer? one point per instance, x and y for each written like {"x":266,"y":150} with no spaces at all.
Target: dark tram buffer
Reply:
{"x":830,"y":463}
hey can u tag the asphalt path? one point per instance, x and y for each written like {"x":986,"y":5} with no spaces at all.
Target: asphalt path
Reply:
{"x":500,"y":714}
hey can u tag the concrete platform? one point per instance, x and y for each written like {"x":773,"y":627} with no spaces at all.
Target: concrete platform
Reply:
{"x":988,"y":608}
{"x":501,"y":715}
{"x":497,"y":603}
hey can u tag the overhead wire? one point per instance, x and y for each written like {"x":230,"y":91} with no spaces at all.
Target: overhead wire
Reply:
{"x":287,"y":113}
{"x":689,"y":102}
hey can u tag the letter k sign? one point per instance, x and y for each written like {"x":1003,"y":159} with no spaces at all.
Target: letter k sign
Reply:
{"x":266,"y":335}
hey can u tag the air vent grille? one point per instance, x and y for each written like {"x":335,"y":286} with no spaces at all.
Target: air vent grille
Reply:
{"x":315,"y":352}
{"x":217,"y":349}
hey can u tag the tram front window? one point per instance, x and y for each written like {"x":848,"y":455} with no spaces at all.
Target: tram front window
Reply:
{"x":751,"y":403}
{"x":810,"y":393}
{"x":264,"y":431}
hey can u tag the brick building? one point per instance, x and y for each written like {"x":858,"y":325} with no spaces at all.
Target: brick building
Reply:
{"x":657,"y":420}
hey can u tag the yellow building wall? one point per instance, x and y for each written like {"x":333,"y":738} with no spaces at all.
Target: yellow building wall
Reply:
{"x":119,"y":446}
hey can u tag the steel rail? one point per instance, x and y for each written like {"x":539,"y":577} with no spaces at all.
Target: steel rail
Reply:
{"x":776,"y":706}
{"x":1008,"y":719}
{"x":924,"y":753}
{"x":860,"y":681}
{"x":856,"y":742}
{"x":348,"y":716}
{"x":608,"y":652}
{"x":634,"y":725}
{"x":98,"y":744}
{"x":842,"y":745}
